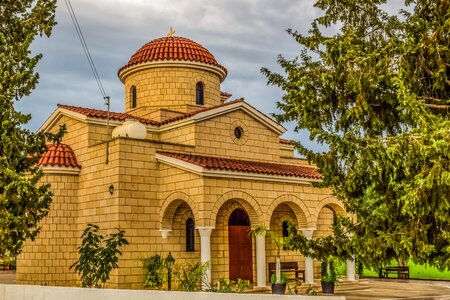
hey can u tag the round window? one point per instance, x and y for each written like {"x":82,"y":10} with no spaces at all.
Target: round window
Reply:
{"x":238,"y":132}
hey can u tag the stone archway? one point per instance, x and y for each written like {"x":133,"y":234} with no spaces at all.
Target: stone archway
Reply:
{"x":219,"y":218}
{"x":327,"y":208}
{"x":252,"y":207}
{"x":178,"y":219}
{"x":301,"y":211}
{"x":169,"y":207}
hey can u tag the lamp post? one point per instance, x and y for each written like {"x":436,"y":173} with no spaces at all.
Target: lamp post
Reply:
{"x":169,"y":262}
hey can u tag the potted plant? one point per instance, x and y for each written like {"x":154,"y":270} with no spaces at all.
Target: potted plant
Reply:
{"x":328,"y":275}
{"x":278,"y":286}
{"x":278,"y":280}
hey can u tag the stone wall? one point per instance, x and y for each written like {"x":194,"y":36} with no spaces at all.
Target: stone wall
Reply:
{"x":47,"y":260}
{"x":170,"y":88}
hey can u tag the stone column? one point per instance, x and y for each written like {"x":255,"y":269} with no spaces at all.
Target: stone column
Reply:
{"x":309,"y":264}
{"x":260,"y":260}
{"x":205,"y":252}
{"x":351,"y":269}
{"x":351,"y":265}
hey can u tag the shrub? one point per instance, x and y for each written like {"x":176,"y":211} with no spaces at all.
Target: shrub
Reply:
{"x":190,"y":277}
{"x":154,"y":266}
{"x":99,"y":255}
{"x":231,"y":286}
{"x":241,"y":285}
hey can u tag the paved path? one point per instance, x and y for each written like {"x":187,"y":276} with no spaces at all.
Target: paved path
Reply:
{"x":8,"y":276}
{"x":389,"y":289}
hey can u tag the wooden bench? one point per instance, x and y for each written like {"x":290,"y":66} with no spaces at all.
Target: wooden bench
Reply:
{"x":402,"y":271}
{"x":288,"y":267}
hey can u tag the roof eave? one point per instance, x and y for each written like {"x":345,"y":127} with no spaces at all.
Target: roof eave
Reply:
{"x":201,"y":171}
{"x":208,"y":114}
{"x":61,"y":170}
{"x":60,"y":111}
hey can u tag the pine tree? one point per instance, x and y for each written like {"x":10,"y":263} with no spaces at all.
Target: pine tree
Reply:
{"x":375,"y":93}
{"x":23,"y":200}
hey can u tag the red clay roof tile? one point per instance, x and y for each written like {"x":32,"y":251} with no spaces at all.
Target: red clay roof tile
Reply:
{"x":59,"y":155}
{"x":172,"y":48}
{"x":103,"y":114}
{"x":224,"y":95}
{"x":228,"y":164}
{"x":188,"y":115}
{"x":287,"y":142}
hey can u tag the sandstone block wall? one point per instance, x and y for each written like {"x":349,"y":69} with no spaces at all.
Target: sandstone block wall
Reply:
{"x":170,"y":88}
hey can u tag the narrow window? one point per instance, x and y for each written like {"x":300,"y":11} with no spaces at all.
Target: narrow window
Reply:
{"x":133,"y":96}
{"x":285,"y":233}
{"x":199,"y":99}
{"x":285,"y":229}
{"x":190,"y":235}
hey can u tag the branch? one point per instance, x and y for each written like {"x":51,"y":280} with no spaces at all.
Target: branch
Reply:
{"x":437,"y":106}
{"x":433,"y":99}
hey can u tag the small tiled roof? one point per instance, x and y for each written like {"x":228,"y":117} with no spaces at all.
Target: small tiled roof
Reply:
{"x":287,"y":142}
{"x":228,"y":164}
{"x":60,"y":155}
{"x":225,"y":95}
{"x":103,"y":114}
{"x":172,"y":48}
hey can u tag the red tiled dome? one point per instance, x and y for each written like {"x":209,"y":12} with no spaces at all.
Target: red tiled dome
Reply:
{"x":60,"y":155}
{"x":172,"y":48}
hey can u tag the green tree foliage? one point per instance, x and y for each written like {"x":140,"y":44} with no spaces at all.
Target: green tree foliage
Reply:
{"x":373,"y":87}
{"x":99,"y":255}
{"x":23,"y":201}
{"x":155,"y":271}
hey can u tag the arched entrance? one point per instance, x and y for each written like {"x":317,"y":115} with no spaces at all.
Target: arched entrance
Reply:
{"x":240,"y":245}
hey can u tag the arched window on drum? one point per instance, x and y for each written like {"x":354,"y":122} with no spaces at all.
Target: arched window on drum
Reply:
{"x":199,"y":93}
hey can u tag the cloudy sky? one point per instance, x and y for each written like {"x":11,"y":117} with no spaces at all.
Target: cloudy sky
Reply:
{"x":243,"y":35}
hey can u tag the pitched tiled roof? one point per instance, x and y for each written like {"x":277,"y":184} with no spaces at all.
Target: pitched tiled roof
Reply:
{"x":188,"y":115}
{"x":172,"y":48}
{"x":103,"y":114}
{"x":60,"y":155}
{"x":228,"y":164}
{"x":287,"y":142}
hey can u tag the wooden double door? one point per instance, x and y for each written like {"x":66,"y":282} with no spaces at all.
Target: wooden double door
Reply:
{"x":240,"y":246}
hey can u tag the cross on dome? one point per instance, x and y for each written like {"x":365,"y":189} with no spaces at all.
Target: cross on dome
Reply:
{"x":171,"y":31}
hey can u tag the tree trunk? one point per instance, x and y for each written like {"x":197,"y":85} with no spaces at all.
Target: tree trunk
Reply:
{"x":278,"y":270}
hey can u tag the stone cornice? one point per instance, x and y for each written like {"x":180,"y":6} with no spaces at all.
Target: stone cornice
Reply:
{"x":123,"y":74}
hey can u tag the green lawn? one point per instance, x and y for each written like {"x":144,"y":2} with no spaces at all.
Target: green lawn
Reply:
{"x":416,"y":271}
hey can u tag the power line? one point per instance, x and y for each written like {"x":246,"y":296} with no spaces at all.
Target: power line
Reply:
{"x":93,"y":68}
{"x":86,"y":50}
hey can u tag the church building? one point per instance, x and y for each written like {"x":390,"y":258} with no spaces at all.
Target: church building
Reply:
{"x":182,"y":169}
